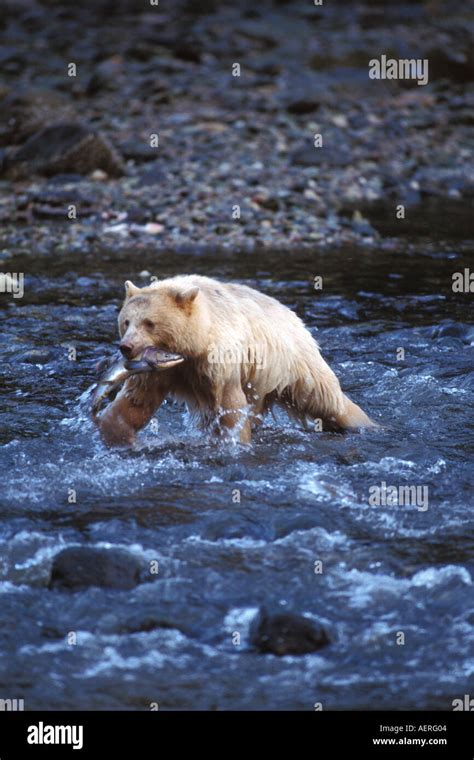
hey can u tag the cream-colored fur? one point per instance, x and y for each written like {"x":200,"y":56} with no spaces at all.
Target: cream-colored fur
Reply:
{"x":246,"y":351}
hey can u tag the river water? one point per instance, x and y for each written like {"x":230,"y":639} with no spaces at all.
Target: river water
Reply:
{"x":304,"y":497}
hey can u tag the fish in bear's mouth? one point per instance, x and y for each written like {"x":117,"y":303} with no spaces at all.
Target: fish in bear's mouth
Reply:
{"x":150,"y":360}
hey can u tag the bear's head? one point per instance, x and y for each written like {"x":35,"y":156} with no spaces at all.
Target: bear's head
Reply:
{"x":171,"y":314}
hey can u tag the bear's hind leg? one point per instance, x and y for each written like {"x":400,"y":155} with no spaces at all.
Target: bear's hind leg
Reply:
{"x":344,"y":416}
{"x":324,"y":401}
{"x":353,"y":417}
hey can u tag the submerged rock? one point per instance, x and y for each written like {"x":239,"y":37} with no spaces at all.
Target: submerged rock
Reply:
{"x":36,"y":356}
{"x":285,"y":633}
{"x":81,"y":566}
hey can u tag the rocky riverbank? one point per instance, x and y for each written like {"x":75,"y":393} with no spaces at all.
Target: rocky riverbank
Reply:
{"x":159,"y":142}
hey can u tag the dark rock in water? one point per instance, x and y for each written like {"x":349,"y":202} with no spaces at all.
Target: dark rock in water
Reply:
{"x":302,"y":105}
{"x":50,"y":632}
{"x":464,"y":333}
{"x":448,"y":342}
{"x":37,"y":356}
{"x":82,"y":566}
{"x":453,"y":329}
{"x":284,"y":633}
{"x":141,"y":624}
{"x":65,"y":148}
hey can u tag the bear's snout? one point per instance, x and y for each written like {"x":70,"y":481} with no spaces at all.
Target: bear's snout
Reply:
{"x":126,"y":349}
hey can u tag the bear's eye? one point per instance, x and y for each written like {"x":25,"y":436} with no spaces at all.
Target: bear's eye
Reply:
{"x":148,"y":324}
{"x":126,"y":323}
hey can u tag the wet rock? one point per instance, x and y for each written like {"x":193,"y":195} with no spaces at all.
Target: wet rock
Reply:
{"x":140,"y":624}
{"x":449,"y":343}
{"x":266,"y":201}
{"x":138,"y":151}
{"x":284,"y":633}
{"x":452,"y":329}
{"x":64,"y":148}
{"x":302,"y":103}
{"x":36,"y":356}
{"x":464,"y":333}
{"x":81,"y":566}
{"x":50,"y":632}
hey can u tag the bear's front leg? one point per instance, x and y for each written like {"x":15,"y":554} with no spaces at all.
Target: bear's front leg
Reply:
{"x":235,"y":412}
{"x":133,"y":408}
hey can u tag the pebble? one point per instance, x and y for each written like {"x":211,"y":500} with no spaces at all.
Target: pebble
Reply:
{"x":152,"y":228}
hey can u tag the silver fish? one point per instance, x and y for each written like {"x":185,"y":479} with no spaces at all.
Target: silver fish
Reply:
{"x":156,"y":358}
{"x":151,"y":359}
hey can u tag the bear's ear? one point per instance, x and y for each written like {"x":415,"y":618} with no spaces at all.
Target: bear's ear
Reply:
{"x":130,"y":289}
{"x":187,"y":296}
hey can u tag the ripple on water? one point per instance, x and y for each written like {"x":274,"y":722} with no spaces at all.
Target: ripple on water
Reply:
{"x":302,"y":498}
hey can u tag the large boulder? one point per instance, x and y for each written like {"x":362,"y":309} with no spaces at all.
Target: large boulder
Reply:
{"x":78,"y":567}
{"x":64,"y":149}
{"x":285,"y":633}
